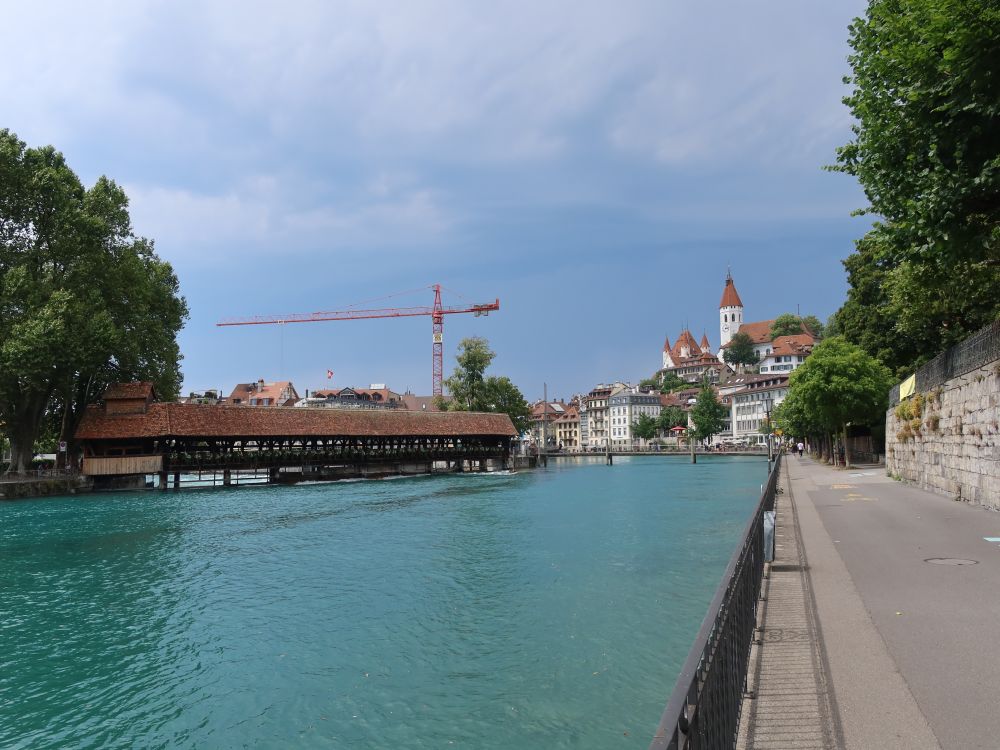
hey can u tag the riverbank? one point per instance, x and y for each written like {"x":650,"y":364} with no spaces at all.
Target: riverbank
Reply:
{"x":54,"y":486}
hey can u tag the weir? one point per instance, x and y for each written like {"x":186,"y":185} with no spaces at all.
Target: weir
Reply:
{"x":131,"y":435}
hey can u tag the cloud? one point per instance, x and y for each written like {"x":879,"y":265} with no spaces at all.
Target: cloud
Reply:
{"x":245,"y":126}
{"x":258,"y":219}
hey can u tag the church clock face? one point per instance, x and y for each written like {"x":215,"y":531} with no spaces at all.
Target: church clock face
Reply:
{"x":725,"y":328}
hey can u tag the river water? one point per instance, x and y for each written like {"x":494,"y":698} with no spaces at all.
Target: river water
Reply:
{"x":548,"y":609}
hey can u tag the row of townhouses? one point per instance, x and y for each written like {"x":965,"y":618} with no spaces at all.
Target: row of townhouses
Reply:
{"x":605,"y":416}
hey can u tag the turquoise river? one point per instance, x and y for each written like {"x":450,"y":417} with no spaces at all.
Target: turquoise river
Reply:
{"x":546,"y":609}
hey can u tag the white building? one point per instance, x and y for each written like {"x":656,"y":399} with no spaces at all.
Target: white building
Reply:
{"x":752,"y":404}
{"x":625,"y":405}
{"x":787,"y":353}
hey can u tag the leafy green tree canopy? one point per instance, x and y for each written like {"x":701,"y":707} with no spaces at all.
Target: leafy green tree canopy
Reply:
{"x":472,"y":390}
{"x":786,"y":324}
{"x":671,"y":382}
{"x":708,"y":414}
{"x":814,"y":325}
{"x":83,"y":301}
{"x":740,"y":351}
{"x":839,"y":383}
{"x":644,"y":427}
{"x":671,"y":416}
{"x":926,"y":150}
{"x":466,"y":383}
{"x":501,"y":395}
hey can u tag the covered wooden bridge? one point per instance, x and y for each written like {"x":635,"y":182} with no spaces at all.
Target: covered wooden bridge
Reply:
{"x":131,"y":436}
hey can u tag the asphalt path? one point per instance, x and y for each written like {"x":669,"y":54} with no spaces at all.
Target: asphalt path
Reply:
{"x":929,"y":581}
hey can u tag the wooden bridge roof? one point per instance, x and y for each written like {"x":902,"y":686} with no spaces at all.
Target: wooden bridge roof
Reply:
{"x":163,"y":420}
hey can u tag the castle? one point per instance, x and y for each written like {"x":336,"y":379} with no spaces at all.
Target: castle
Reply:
{"x":695,"y":361}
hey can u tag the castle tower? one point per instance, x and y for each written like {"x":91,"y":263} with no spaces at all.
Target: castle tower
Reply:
{"x":668,"y":360}
{"x":730,"y":311}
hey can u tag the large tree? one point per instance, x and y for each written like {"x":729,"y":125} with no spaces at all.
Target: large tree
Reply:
{"x":671,"y":416}
{"x":708,"y":414}
{"x":926,"y":150}
{"x":786,"y":324}
{"x":472,"y":390}
{"x":814,"y":325}
{"x":644,"y":427}
{"x":83,"y":301}
{"x":837,"y":384}
{"x":740,"y":352}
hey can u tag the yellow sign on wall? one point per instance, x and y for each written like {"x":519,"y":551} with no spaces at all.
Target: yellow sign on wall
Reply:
{"x":907,"y":387}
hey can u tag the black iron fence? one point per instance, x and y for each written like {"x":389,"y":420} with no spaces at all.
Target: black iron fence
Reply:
{"x":704,"y":708}
{"x":979,"y":349}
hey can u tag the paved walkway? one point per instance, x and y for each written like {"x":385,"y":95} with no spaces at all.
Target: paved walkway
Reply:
{"x":881,"y":626}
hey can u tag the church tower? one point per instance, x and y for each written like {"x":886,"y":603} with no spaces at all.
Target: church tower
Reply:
{"x":730,"y":311}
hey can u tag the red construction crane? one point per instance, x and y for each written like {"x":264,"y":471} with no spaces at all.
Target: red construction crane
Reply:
{"x":437,"y":313}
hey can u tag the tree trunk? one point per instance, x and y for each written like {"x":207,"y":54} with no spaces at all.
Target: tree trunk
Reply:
{"x":24,"y":431}
{"x":847,"y":451}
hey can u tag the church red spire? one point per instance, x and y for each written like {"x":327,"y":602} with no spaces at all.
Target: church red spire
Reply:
{"x":730,"y":297}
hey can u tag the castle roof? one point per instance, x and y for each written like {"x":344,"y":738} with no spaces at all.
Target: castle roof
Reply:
{"x":686,"y":340}
{"x":705,"y":346}
{"x":730,"y":297}
{"x":758,"y":331}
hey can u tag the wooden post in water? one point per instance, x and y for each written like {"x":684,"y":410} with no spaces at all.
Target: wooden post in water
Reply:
{"x":694,"y":457}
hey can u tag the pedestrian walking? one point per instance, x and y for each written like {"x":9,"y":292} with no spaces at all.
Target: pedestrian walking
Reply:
{"x":801,"y":448}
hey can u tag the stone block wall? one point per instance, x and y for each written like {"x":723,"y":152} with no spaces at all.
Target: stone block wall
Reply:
{"x":947,"y":439}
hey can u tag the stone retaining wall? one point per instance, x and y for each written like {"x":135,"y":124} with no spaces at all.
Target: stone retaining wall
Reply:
{"x":18,"y":489}
{"x":947,"y":439}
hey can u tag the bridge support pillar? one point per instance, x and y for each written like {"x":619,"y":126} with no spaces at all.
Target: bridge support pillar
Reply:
{"x":162,"y":480}
{"x":227,"y":477}
{"x":177,"y":480}
{"x":482,"y":465}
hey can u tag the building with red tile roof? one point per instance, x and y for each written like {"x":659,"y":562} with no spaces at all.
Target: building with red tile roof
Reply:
{"x":420,"y":403}
{"x":567,"y":427}
{"x":692,"y":361}
{"x":787,"y":353}
{"x":281,"y":393}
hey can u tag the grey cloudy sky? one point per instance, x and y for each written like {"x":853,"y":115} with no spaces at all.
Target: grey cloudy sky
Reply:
{"x":596,"y":166}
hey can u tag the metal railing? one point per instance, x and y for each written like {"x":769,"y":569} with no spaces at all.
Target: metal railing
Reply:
{"x":979,"y":349}
{"x":704,"y":708}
